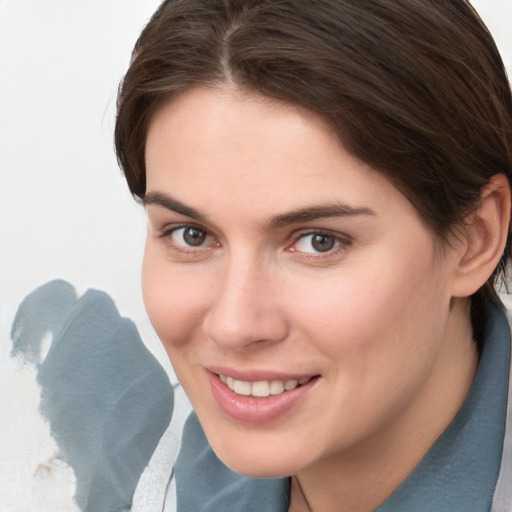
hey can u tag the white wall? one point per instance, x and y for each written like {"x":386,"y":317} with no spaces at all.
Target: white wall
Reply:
{"x":65,"y":211}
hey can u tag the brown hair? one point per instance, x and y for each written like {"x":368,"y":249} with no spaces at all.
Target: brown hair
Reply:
{"x":414,"y":88}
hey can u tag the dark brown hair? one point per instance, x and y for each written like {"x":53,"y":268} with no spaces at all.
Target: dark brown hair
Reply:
{"x":414,"y":88}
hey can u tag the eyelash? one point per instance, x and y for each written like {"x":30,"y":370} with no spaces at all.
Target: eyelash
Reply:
{"x":166,"y":236}
{"x":341,"y":242}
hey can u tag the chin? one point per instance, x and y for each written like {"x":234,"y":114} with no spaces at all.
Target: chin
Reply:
{"x":248,"y":468}
{"x":257,"y":463}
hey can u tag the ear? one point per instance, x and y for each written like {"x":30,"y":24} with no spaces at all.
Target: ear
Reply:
{"x":484,"y":238}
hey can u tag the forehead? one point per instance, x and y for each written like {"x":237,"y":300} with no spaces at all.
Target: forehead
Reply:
{"x":247,"y":153}
{"x":229,"y":122}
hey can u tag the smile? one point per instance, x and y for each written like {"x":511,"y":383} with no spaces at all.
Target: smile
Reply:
{"x":262,"y":389}
{"x":259,"y":401}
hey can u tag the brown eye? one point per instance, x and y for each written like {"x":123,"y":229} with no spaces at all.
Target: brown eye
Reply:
{"x":188,"y":237}
{"x":323,"y":243}
{"x":320,"y":243}
{"x":193,"y":236}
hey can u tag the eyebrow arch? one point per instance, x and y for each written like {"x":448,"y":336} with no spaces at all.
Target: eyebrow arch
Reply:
{"x":318,"y":212}
{"x":173,"y":204}
{"x":295,"y":216}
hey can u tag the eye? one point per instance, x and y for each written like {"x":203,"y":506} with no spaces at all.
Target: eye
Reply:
{"x":319,"y":243}
{"x":190,"y":236}
{"x":187,"y":238}
{"x":316,"y":242}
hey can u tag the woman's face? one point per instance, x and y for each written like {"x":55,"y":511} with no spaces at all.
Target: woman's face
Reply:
{"x":279,"y":265}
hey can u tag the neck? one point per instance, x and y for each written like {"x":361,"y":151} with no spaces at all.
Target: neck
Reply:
{"x":363,"y":477}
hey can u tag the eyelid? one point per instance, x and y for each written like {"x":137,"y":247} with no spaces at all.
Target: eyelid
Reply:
{"x":300,"y":233}
{"x":171,"y":228}
{"x":166,"y":235}
{"x":343,"y":241}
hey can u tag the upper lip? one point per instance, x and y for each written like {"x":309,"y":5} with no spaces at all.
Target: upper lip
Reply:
{"x":257,"y":375}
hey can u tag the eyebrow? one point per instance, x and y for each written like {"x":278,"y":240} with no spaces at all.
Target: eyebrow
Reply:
{"x":318,"y":212}
{"x":306,"y":214}
{"x":172,"y":204}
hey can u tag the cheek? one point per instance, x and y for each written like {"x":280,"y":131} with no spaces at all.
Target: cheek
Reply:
{"x":175,"y":299}
{"x":380,"y":309}
{"x":375,"y":333}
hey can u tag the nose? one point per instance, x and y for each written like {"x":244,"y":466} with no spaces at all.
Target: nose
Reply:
{"x":245,"y":310}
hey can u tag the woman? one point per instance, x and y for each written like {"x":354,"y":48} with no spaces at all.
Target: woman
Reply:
{"x":328,"y":201}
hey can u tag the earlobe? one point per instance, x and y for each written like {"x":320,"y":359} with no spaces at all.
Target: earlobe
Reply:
{"x":485,"y":237}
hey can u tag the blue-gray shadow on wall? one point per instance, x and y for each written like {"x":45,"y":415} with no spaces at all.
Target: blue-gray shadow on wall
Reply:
{"x":107,"y":399}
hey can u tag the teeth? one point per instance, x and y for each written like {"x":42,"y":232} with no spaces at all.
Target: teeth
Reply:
{"x":242,"y":388}
{"x":276,"y":387}
{"x":263,"y":388}
{"x":290,"y":384}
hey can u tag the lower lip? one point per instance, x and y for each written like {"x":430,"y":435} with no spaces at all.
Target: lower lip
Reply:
{"x":249,"y":409}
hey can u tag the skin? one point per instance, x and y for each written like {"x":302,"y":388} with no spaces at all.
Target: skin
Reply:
{"x":381,"y":318}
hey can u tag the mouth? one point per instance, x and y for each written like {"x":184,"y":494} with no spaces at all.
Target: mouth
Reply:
{"x":263,"y":388}
{"x":258,"y":401}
